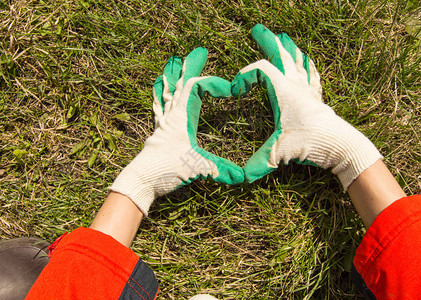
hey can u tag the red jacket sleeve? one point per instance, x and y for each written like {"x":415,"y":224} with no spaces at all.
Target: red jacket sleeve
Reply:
{"x":87,"y":264}
{"x":389,"y":257}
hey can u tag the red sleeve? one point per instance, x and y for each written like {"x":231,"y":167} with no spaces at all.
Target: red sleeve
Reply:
{"x":389,"y":257}
{"x":87,"y":264}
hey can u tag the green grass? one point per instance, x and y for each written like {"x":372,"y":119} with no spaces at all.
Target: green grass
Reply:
{"x":69,"y":69}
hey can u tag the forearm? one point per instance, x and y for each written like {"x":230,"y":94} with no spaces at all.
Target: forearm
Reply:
{"x":118,"y":217}
{"x":373,"y":191}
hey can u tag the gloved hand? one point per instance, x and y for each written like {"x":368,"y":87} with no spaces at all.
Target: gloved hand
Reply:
{"x":305,"y":129}
{"x":171,"y":157}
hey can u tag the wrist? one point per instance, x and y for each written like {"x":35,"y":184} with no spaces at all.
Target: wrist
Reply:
{"x":118,"y":217}
{"x":359,"y":156}
{"x":374,"y":190}
{"x":133,"y":186}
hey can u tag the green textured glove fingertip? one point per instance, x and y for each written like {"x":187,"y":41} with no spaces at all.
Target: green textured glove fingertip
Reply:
{"x":266,"y":40}
{"x":194,"y":63}
{"x":229,"y":172}
{"x":306,"y":66}
{"x":244,"y":82}
{"x":172,"y":72}
{"x":257,"y":166}
{"x":291,"y":47}
{"x":288,"y":44}
{"x":240,"y":85}
{"x":216,"y":87}
{"x":158,"y":89}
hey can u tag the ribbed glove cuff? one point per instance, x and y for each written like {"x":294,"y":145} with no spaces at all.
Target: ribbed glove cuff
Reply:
{"x":140,"y":192}
{"x":346,"y":150}
{"x":357,"y":163}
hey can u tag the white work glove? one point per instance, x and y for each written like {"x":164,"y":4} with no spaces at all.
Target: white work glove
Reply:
{"x":306,"y":130}
{"x":171,"y":157}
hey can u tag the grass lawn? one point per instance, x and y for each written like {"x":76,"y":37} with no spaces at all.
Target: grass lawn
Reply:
{"x":76,"y":82}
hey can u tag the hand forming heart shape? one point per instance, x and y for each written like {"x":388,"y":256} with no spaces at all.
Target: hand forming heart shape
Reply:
{"x":306,"y":130}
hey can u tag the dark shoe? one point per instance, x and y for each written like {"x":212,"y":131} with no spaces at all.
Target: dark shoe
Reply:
{"x":21,"y":262}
